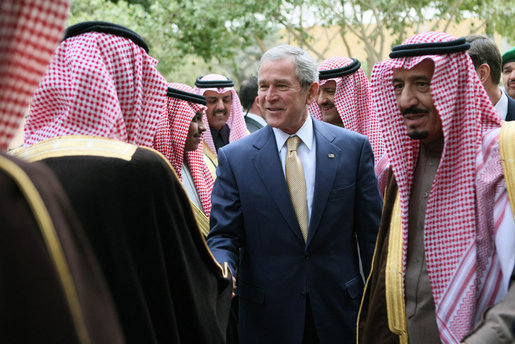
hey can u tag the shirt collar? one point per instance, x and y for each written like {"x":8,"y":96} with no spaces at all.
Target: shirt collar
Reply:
{"x":305,"y":133}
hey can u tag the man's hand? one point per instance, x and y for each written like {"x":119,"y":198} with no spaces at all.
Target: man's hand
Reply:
{"x":233,"y":287}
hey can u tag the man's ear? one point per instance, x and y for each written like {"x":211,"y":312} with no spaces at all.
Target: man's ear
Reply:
{"x":312,"y":92}
{"x":483,"y":72}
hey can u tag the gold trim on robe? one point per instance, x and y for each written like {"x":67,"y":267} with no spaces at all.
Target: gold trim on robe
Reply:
{"x":507,"y":150}
{"x":202,"y":221}
{"x":211,"y":160}
{"x":394,"y":280}
{"x":52,"y":242}
{"x":76,"y":145}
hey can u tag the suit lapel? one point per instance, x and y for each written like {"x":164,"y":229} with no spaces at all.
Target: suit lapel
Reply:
{"x":328,"y":159}
{"x":268,"y":166}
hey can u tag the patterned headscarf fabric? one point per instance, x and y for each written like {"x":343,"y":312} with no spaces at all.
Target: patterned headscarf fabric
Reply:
{"x":170,"y":140}
{"x":353,"y":102}
{"x":235,"y":121}
{"x":459,"y":223}
{"x":29,"y":33}
{"x":98,"y":84}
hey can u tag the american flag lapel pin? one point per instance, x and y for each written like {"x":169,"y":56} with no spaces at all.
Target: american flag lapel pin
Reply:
{"x":330,"y":156}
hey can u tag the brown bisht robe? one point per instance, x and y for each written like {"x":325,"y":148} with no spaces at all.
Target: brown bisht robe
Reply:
{"x":373,"y":318}
{"x":51,"y":288}
{"x":165,"y":283}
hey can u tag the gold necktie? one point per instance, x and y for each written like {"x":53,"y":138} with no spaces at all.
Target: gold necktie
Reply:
{"x":297,"y":184}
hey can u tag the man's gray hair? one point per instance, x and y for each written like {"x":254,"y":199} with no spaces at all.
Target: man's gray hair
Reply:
{"x":306,"y":67}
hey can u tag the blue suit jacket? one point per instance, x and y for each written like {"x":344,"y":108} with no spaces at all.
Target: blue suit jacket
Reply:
{"x":252,"y":209}
{"x":510,"y":115}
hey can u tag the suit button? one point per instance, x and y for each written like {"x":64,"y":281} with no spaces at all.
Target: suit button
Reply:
{"x":307,"y":256}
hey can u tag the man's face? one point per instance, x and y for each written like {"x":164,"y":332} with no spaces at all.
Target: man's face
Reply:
{"x":415,"y":101}
{"x":218,"y":108}
{"x":325,"y":101}
{"x":282,"y":101}
{"x":508,"y":78}
{"x":195,"y":131}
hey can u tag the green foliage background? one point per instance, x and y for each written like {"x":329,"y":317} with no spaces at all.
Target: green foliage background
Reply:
{"x":196,"y":37}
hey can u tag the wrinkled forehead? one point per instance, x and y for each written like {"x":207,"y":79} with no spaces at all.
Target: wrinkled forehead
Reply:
{"x":424,"y":69}
{"x":276,"y":67}
{"x":280,"y":71}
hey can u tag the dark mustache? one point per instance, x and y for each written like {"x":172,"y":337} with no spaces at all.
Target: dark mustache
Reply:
{"x":327,"y":104}
{"x":220,"y":111}
{"x":413,"y":110}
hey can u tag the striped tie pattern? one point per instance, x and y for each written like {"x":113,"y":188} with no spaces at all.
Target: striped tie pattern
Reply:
{"x":297,"y":184}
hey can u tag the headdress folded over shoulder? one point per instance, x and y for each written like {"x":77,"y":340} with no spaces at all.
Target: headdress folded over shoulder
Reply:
{"x":105,"y":27}
{"x":213,"y":83}
{"x":462,"y":262}
{"x":187,"y":96}
{"x":337,"y":72}
{"x":432,"y":48}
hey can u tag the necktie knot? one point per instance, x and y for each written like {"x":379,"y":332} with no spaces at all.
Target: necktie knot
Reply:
{"x":293,"y":143}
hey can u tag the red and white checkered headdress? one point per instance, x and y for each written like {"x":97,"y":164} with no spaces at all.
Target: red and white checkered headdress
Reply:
{"x":460,"y":252}
{"x":29,"y":33}
{"x":236,"y":121}
{"x":353,"y":102}
{"x":98,"y":84}
{"x":170,"y":140}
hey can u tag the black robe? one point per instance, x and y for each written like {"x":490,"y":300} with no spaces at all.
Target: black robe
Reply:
{"x":165,"y":284}
{"x":38,"y":228}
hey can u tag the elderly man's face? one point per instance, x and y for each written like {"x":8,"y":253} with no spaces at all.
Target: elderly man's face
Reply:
{"x":325,"y":101}
{"x":195,"y":132}
{"x":218,"y":108}
{"x":415,"y":102}
{"x":280,"y":96}
{"x":508,"y":78}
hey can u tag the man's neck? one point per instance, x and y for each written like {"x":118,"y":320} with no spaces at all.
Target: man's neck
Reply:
{"x":255,"y":110}
{"x":494,"y":93}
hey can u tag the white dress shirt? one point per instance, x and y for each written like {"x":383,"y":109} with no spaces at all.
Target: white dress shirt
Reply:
{"x":502,"y":106}
{"x":306,"y":152}
{"x":257,"y":118}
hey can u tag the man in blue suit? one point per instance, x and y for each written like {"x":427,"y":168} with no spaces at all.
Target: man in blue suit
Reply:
{"x":295,"y":287}
{"x":487,"y":61}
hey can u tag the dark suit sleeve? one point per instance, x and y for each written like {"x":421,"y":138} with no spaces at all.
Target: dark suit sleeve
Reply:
{"x":226,"y":219}
{"x":368,"y":204}
{"x":498,"y":322}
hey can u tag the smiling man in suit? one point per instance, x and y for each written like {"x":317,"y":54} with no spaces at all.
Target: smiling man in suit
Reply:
{"x":298,"y":197}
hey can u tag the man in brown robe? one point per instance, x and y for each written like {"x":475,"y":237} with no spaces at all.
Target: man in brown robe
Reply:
{"x":93,"y":117}
{"x":51,"y":288}
{"x":446,"y":247}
